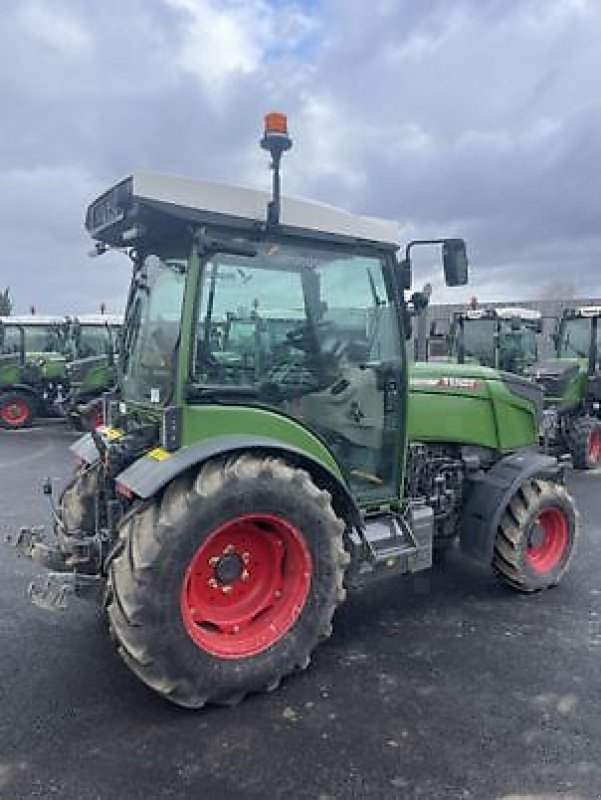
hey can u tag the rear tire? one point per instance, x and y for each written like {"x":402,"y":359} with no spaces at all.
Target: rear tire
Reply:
{"x":536,"y":538}
{"x":17,"y":410}
{"x":77,"y":504}
{"x":191,"y":595}
{"x":584,"y":442}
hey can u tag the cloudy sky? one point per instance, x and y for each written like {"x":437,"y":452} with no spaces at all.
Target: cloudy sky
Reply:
{"x":478,"y":118}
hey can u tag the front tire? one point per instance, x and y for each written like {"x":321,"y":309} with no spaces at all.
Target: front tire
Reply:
{"x":584,"y":443}
{"x":536,"y":538}
{"x":227,"y":583}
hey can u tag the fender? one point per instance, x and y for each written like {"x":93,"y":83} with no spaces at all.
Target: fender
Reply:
{"x":156,"y":469}
{"x":488,"y":494}
{"x":20,"y":387}
{"x":85,"y":450}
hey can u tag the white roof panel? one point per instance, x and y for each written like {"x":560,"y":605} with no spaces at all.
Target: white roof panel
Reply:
{"x":245,"y":203}
{"x":98,"y":319}
{"x":31,"y":319}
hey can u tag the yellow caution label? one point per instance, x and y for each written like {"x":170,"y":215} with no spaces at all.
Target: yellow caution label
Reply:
{"x":159,"y":454}
{"x":111,"y":433}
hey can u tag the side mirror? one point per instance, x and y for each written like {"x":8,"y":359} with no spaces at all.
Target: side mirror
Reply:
{"x":454,"y":260}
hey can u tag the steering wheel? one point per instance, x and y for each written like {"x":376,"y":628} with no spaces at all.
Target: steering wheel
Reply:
{"x":305,"y":338}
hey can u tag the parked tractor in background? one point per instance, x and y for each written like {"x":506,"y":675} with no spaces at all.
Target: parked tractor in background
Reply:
{"x":32,"y":368}
{"x":572,"y":385}
{"x":500,"y":338}
{"x":92,"y":370}
{"x":223,"y":512}
{"x":56,"y":366}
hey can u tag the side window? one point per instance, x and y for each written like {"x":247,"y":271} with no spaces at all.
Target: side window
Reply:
{"x":359,"y":311}
{"x":11,"y":339}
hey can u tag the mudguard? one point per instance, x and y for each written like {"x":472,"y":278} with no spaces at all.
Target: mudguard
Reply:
{"x":85,"y":450}
{"x":487,"y":496}
{"x":157,"y":468}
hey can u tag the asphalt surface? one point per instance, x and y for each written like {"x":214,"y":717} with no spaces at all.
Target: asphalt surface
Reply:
{"x":441,"y":685}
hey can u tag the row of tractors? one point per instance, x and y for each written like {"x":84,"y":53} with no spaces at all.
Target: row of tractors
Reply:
{"x":56,"y":366}
{"x":509,"y":339}
{"x":268,"y":447}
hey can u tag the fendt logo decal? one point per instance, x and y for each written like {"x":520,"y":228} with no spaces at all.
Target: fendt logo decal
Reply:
{"x":444,"y":383}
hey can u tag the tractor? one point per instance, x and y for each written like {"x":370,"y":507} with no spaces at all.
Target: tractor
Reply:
{"x":502,"y":338}
{"x":92,"y":370}
{"x":222,"y":513}
{"x":32,"y":368}
{"x":572,"y":384}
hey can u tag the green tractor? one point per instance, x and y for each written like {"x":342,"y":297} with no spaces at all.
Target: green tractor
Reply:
{"x":501,"y":338}
{"x":32,"y":368}
{"x":223,"y":512}
{"x":572,"y":384}
{"x":92,"y":370}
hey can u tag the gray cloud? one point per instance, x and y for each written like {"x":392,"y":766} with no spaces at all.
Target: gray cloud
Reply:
{"x":477,"y":118}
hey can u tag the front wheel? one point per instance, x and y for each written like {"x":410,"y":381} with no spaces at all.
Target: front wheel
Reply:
{"x":17,"y":410}
{"x":228,"y":582}
{"x":536,"y":537}
{"x":584,"y":442}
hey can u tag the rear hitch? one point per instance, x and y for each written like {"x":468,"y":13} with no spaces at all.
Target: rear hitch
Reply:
{"x":53,"y":590}
{"x":29,"y":543}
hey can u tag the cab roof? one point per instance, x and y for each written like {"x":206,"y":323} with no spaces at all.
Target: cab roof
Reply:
{"x":98,"y":319}
{"x":116,"y":211}
{"x":31,"y":319}
{"x":507,"y":312}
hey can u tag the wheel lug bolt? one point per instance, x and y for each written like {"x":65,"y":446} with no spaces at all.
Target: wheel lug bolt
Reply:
{"x":245,"y":557}
{"x":226,"y":589}
{"x":212,"y":583}
{"x":245,"y":575}
{"x":229,"y":548}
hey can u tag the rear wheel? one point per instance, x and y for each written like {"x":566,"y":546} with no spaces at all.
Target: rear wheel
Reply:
{"x":536,"y":537}
{"x":228,"y":583}
{"x":584,"y":442}
{"x":77,"y":504}
{"x":17,"y":410}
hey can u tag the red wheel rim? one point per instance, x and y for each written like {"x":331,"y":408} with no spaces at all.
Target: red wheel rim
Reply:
{"x":593,"y":447}
{"x":14,"y":412}
{"x":246,"y":586}
{"x":551,"y":530}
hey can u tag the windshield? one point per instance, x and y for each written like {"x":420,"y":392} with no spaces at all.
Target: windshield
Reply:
{"x":38,"y":338}
{"x":574,"y":338}
{"x":94,"y":340}
{"x":151,"y":333}
{"x":314,"y":333}
{"x":517,"y":345}
{"x":476,"y":338}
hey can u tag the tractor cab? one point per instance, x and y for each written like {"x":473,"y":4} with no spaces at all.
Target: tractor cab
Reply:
{"x":36,"y":341}
{"x":574,"y":374}
{"x":501,"y":338}
{"x":251,"y":315}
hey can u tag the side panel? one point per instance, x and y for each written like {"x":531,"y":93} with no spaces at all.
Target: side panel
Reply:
{"x":203,"y":422}
{"x":9,"y":375}
{"x":472,"y":405}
